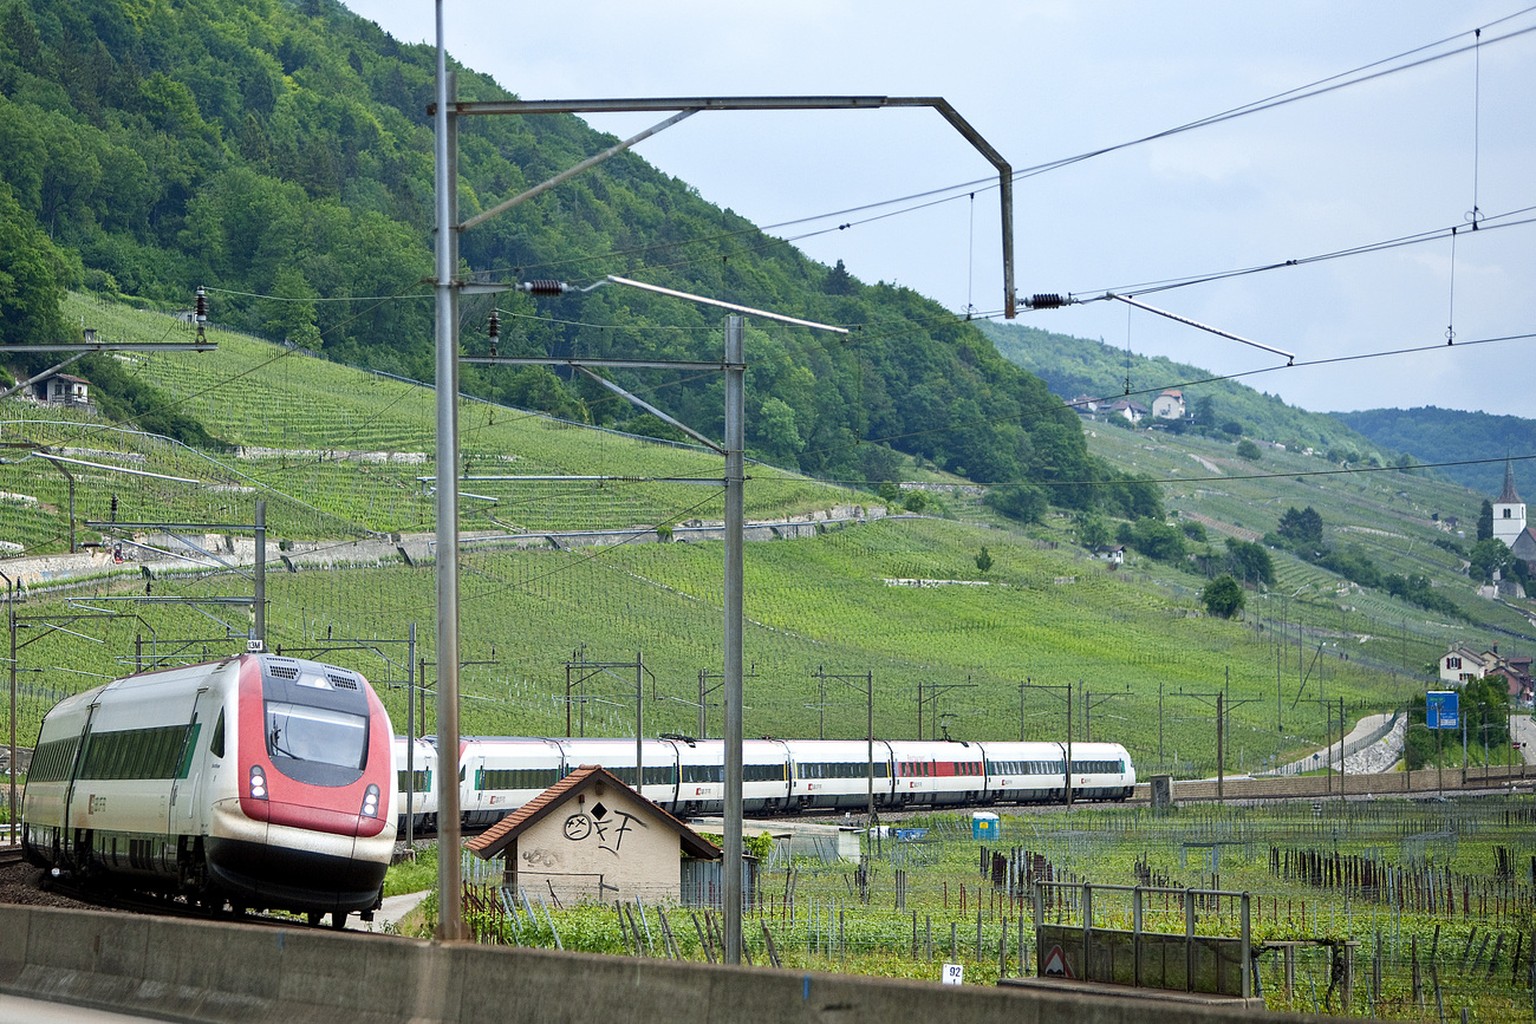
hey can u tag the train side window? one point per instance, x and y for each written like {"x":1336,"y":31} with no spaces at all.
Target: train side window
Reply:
{"x":216,"y":745}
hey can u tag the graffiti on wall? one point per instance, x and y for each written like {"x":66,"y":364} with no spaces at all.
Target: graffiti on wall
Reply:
{"x":603,"y":826}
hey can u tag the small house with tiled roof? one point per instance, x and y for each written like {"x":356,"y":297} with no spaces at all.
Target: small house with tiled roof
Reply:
{"x":1461,"y":663}
{"x":590,"y":836}
{"x":1169,"y":405}
{"x":60,"y":389}
{"x":1133,"y":411}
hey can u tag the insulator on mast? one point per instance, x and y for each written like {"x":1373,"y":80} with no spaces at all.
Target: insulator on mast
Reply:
{"x":545,"y":287}
{"x":200,"y":312}
{"x":1045,"y":300}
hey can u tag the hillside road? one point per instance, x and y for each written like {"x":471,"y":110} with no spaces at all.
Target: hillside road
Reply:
{"x":1522,"y":729}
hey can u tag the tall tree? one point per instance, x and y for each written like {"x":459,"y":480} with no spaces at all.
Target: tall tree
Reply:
{"x":1304,"y":527}
{"x":1223,"y":596}
{"x":1488,"y":556}
{"x":1485,"y":521}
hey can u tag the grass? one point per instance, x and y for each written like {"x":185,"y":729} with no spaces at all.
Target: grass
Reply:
{"x":920,"y":894}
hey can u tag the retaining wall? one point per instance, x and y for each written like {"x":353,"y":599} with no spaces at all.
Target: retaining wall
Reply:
{"x":1422,"y":783}
{"x":218,"y":973}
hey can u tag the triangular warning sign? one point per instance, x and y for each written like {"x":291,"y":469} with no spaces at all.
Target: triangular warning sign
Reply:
{"x":1056,"y":965}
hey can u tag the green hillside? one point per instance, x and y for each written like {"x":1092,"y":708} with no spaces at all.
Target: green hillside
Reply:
{"x":279,"y":154}
{"x":1075,"y":367}
{"x":339,"y":452}
{"x":902,"y":598}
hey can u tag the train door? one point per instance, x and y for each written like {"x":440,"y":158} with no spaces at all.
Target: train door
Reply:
{"x":69,"y":839}
{"x":196,"y":776}
{"x":472,"y":787}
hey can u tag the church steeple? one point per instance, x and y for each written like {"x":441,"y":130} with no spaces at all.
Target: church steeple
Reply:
{"x":1509,"y":497}
{"x":1508,"y":510}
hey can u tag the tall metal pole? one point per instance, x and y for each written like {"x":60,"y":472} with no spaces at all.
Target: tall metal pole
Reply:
{"x":821,"y":703}
{"x":1341,"y":749}
{"x":1221,"y":758}
{"x":1067,"y":794}
{"x":869,"y":732}
{"x":639,"y":722}
{"x":260,"y":624}
{"x":10,"y":621}
{"x":1021,"y":708}
{"x":410,"y":742}
{"x":450,"y":924}
{"x":735,"y":438}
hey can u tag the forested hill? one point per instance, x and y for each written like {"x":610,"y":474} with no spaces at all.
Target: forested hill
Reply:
{"x":279,"y":152}
{"x":1076,"y":367}
{"x":1450,"y":435}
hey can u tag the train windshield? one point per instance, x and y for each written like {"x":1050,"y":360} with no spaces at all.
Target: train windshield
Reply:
{"x":306,"y":733}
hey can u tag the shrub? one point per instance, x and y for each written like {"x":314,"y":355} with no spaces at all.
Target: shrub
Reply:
{"x":1223,"y":596}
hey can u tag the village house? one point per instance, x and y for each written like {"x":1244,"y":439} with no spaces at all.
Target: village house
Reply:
{"x":1169,"y":405}
{"x":1522,"y":687}
{"x":1460,"y":664}
{"x":60,"y":389}
{"x":1133,"y":411}
{"x":1114,"y":554}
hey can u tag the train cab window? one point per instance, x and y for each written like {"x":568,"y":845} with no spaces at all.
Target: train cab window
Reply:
{"x":306,"y":733}
{"x":216,"y":744}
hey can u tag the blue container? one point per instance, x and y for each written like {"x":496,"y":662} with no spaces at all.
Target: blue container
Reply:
{"x":985,"y":825}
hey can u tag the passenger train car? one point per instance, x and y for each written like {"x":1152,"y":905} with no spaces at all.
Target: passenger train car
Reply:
{"x":687,"y":776}
{"x":259,"y":781}
{"x":416,"y":781}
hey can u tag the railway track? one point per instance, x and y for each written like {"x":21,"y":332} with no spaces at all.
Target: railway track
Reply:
{"x":24,"y":883}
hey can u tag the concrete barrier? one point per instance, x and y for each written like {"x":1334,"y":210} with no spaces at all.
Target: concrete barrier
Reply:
{"x":217,"y":973}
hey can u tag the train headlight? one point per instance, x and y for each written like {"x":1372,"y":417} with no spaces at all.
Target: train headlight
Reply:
{"x":371,"y":802}
{"x":258,"y":782}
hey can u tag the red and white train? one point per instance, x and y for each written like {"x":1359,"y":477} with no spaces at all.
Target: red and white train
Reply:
{"x":498,"y":774}
{"x":258,"y":781}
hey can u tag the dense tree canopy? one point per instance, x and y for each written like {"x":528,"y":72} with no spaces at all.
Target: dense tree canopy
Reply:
{"x":1468,"y":447}
{"x":32,"y":276}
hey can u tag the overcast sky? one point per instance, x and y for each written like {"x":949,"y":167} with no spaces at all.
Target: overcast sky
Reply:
{"x":1407,"y":152}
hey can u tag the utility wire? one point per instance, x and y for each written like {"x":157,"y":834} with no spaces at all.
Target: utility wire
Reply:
{"x":967,"y":189}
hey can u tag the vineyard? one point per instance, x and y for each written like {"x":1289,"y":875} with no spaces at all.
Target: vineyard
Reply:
{"x":823,"y":602}
{"x":1427,"y":907}
{"x":566,"y":558}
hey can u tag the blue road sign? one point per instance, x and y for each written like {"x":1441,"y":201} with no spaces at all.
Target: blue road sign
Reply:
{"x":1442,"y":709}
